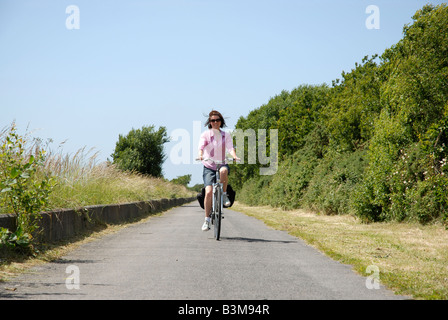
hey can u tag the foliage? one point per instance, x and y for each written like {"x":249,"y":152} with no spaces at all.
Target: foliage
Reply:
{"x":298,"y":118}
{"x":353,"y":105}
{"x":374,"y":144}
{"x":265,"y":118}
{"x":409,"y":138}
{"x":182,"y":180}
{"x":333,"y":182}
{"x":24,"y":189}
{"x":293,"y":114}
{"x":197,"y":187}
{"x":141,"y":150}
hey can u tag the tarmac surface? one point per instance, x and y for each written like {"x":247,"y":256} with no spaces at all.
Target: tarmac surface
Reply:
{"x":168,"y":257}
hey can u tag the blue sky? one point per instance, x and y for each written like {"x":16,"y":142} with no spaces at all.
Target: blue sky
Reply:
{"x":167,"y":63}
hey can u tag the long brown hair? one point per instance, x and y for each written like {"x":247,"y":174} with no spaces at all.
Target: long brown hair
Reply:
{"x":215,"y":113}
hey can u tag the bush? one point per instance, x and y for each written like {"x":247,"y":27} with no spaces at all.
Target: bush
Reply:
{"x":24,"y":189}
{"x":373,"y":198}
{"x":334,"y":181}
{"x":141,"y":150}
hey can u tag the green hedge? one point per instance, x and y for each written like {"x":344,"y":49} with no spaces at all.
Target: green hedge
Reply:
{"x":375,"y":144}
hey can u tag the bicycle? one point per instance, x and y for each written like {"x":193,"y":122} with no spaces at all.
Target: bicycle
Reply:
{"x":217,"y":198}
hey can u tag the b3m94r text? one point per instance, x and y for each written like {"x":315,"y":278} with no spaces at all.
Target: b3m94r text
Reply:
{"x":245,"y":309}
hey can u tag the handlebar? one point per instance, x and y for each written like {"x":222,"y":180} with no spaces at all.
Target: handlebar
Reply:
{"x":218,"y":161}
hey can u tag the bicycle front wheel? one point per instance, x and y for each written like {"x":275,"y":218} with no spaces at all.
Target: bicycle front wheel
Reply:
{"x":217,"y":220}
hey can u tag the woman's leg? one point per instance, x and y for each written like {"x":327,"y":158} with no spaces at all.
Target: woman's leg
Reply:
{"x":223,"y":175}
{"x":208,"y":200}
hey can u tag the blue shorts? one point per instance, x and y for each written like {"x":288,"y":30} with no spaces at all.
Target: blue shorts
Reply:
{"x":209,"y":175}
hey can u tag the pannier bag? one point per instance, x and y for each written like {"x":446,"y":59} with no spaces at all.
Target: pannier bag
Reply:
{"x":230,"y":193}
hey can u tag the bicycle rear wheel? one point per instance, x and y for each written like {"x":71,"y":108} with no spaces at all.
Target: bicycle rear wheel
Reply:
{"x":217,"y":213}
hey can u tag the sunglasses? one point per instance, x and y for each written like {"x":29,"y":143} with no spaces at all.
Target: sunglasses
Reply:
{"x":215,"y":120}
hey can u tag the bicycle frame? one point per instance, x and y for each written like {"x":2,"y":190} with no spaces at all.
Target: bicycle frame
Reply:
{"x":217,"y":199}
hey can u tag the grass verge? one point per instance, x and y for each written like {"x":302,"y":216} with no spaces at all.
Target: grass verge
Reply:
{"x":412,"y":258}
{"x":79,"y":181}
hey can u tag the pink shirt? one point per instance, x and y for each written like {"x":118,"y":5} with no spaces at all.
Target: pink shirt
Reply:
{"x":214,"y":146}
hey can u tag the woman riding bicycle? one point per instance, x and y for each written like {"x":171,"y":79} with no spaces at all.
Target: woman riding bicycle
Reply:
{"x":213,"y":144}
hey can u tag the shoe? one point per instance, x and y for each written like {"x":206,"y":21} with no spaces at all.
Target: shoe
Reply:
{"x":226,"y":201}
{"x":206,"y":226}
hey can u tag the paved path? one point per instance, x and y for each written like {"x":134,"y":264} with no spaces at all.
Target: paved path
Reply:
{"x":169,"y":257}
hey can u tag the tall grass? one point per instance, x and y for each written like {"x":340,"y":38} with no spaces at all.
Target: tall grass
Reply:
{"x":80,"y":180}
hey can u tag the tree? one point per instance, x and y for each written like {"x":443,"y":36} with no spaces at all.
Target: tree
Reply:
{"x":407,"y":150}
{"x":299,"y":118}
{"x":141,"y":150}
{"x":353,"y":106}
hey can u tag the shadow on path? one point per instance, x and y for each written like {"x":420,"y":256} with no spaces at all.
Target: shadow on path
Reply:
{"x":255,"y":240}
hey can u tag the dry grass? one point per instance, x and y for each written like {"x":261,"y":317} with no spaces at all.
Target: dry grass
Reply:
{"x":412,"y":258}
{"x":80,"y":181}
